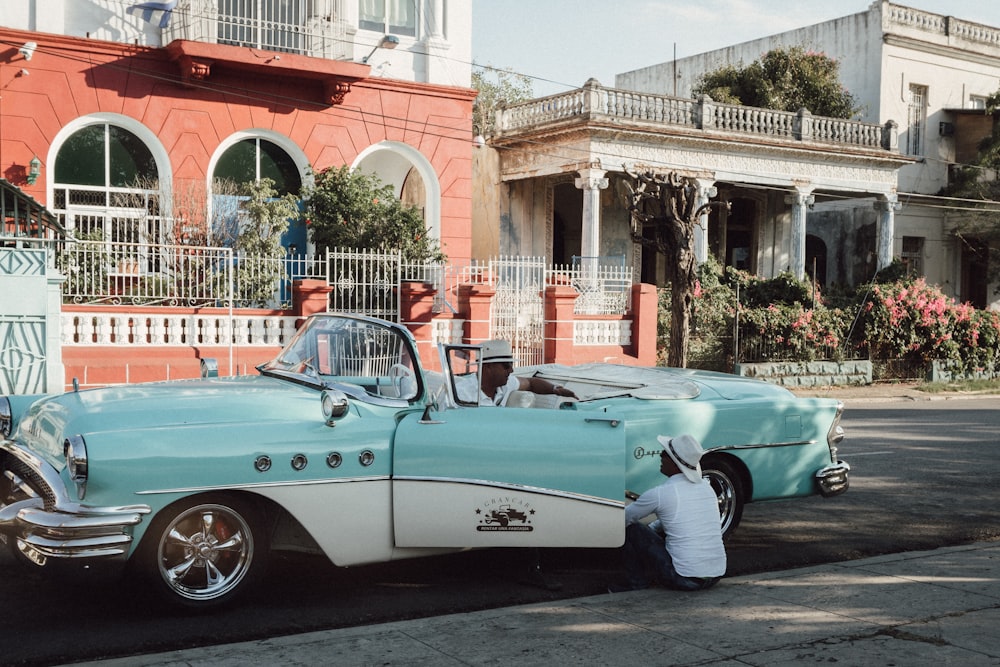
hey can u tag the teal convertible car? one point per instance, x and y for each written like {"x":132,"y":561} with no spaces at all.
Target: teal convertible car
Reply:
{"x":346,"y":445}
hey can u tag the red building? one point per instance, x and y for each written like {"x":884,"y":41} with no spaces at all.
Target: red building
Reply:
{"x":108,"y":123}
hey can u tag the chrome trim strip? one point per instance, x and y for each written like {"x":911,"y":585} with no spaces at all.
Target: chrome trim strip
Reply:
{"x":263,"y":485}
{"x":514,"y":487}
{"x":383,"y":478}
{"x":723,"y":448}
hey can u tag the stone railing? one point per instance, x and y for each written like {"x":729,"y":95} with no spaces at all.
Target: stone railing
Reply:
{"x":156,"y":329}
{"x":595,"y":102}
{"x":944,"y":27}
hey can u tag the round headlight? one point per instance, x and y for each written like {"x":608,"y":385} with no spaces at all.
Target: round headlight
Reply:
{"x":6,"y":417}
{"x":75,"y":450}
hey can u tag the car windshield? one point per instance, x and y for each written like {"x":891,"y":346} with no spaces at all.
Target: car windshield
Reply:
{"x":365,"y":354}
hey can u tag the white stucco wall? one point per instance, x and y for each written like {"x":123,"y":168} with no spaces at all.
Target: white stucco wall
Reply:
{"x":881,"y":53}
{"x":852,"y":40}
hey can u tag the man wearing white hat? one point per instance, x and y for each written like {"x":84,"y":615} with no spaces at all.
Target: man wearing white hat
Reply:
{"x":690,"y":556}
{"x":498,"y":380}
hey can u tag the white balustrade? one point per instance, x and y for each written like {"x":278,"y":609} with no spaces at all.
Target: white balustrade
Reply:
{"x":602,"y":332}
{"x":448,"y":331}
{"x":122,"y":329}
{"x":593,"y":100}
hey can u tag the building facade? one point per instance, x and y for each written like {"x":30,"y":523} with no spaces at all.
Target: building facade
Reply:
{"x":124,"y":117}
{"x":564,"y":164}
{"x":928,"y":72}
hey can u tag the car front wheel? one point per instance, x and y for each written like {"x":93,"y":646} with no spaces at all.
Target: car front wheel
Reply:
{"x":204,"y":552}
{"x":728,"y":489}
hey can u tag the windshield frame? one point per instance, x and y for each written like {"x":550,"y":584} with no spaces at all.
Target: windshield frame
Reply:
{"x":365,"y":357}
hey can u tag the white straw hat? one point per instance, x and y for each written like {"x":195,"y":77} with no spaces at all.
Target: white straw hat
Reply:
{"x":686,"y":452}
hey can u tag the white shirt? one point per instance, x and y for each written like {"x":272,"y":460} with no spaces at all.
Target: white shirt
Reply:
{"x":689,"y":515}
{"x":467,"y":388}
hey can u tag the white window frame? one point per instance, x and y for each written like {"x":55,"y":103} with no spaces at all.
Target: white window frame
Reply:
{"x":917,"y":119}
{"x":389,"y":12}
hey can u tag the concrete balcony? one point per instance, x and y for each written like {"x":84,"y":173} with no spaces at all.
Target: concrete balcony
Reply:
{"x":596,"y":105}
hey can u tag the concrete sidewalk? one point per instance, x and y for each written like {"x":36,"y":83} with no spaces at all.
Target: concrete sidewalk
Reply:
{"x":938,"y":607}
{"x":881,"y":392}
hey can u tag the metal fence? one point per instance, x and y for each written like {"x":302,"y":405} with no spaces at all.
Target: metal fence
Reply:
{"x":517,"y":311}
{"x":604,"y":284}
{"x":119,"y":273}
{"x":363,"y":281}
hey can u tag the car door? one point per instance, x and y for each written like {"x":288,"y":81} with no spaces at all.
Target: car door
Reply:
{"x":509,"y":476}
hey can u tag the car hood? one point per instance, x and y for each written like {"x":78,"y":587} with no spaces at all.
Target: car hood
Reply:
{"x":145,"y":407}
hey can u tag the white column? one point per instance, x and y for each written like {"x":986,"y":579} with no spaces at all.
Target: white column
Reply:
{"x":436,"y":19}
{"x":887,"y":205}
{"x":706,"y":190}
{"x":591,"y":181}
{"x":801,"y":201}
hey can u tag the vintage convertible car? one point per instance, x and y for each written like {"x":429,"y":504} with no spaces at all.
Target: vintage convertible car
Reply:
{"x":347,"y":446}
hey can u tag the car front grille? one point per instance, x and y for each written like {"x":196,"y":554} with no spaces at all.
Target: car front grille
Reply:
{"x":19,"y":481}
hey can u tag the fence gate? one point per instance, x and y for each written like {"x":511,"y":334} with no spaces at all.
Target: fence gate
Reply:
{"x":517,"y":312}
{"x":365,"y":282}
{"x":24,"y":363}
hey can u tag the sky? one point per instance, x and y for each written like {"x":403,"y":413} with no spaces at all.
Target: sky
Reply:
{"x":562,"y":43}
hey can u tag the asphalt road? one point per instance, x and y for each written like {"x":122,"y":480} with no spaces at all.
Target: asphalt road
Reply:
{"x":924,"y":475}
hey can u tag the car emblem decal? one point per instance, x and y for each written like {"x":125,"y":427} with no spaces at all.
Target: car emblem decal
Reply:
{"x":506,"y":514}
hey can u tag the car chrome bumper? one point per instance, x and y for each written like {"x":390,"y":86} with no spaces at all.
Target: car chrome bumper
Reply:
{"x":40,"y":522}
{"x":833,"y":479}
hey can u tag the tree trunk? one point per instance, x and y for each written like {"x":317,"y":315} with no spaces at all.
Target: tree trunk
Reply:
{"x":682,"y":279}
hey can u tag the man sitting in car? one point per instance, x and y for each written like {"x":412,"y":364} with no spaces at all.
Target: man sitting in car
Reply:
{"x":498,"y":379}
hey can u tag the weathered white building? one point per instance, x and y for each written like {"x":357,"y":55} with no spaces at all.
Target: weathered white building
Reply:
{"x":563,"y":163}
{"x":927,"y":72}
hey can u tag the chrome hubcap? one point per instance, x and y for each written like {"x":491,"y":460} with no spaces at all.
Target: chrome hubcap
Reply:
{"x":205,"y":552}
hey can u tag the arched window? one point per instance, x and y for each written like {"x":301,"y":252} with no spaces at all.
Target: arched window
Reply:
{"x":245,"y":162}
{"x":251,"y":160}
{"x":106,"y":185}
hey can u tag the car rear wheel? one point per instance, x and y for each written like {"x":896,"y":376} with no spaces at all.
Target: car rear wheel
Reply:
{"x":204,"y":552}
{"x":728,"y":489}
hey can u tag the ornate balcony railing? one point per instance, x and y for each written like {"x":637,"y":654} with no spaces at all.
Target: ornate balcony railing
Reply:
{"x":307,"y":27}
{"x":596,"y":103}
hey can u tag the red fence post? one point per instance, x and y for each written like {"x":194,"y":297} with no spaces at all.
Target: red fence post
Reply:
{"x":645,"y":305}
{"x":310,"y":296}
{"x":475,"y":301}
{"x":559,"y":303}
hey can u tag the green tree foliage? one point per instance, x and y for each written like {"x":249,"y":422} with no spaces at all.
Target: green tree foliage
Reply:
{"x":786,"y":79}
{"x":352,"y":209}
{"x":264,"y":218}
{"x":497,"y":88}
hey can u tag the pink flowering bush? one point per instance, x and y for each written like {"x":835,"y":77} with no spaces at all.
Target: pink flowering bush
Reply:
{"x":794,"y":332}
{"x":911,"y":320}
{"x":914,"y":321}
{"x":904,"y":321}
{"x":777,"y":320}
